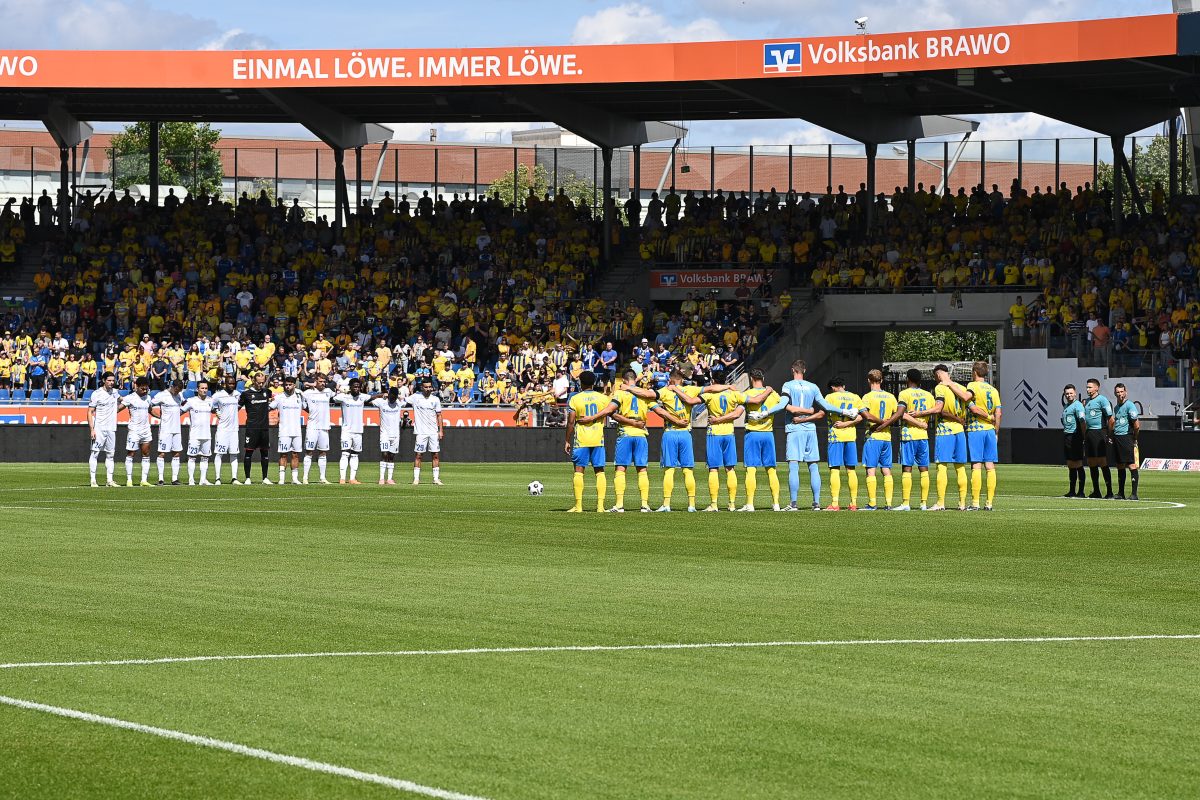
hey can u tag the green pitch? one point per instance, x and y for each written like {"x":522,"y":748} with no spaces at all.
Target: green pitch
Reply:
{"x":118,"y":574}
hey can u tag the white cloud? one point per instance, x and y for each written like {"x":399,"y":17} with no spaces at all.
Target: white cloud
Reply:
{"x":635,"y":22}
{"x":112,"y":24}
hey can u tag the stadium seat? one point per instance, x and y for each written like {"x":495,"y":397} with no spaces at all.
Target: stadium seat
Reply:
{"x":87,"y":394}
{"x":241,"y":386}
{"x":54,"y":395}
{"x":5,"y":394}
{"x":190,"y":388}
{"x":37,"y":396}
{"x":18,"y":394}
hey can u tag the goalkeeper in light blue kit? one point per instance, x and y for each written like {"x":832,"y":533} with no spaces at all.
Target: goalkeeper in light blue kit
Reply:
{"x":805,"y":401}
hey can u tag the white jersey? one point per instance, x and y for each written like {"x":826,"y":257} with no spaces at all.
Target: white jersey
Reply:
{"x":389,"y":417}
{"x":139,"y":412}
{"x":201,"y":417}
{"x":317,"y":403}
{"x":425,"y":411}
{"x":226,"y":405}
{"x":289,"y":408}
{"x":352,"y":412}
{"x":105,"y":405}
{"x":169,"y":407}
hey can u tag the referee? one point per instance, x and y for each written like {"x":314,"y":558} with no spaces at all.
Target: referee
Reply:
{"x":1125,"y":427}
{"x":1098,"y":411}
{"x":1073,"y":422}
{"x":257,"y":401}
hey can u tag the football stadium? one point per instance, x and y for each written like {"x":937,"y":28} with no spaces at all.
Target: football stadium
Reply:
{"x":242,"y":279}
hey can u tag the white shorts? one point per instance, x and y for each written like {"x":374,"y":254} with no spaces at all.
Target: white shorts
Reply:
{"x":200,"y":447}
{"x":427,"y":444}
{"x":227,"y":442}
{"x":317,"y":440}
{"x":170,"y":442}
{"x":389,"y":445}
{"x":352,"y":442}
{"x":105,"y":442}
{"x":134,"y":439}
{"x":289,"y":444}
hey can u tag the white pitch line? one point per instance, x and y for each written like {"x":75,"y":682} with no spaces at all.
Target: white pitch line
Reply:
{"x":603,"y":648}
{"x":242,"y":750}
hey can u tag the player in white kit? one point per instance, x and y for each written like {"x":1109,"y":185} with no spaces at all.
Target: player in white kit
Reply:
{"x":390,"y":410}
{"x":137,"y":433}
{"x":289,"y":404}
{"x":102,"y":426}
{"x":317,"y":400}
{"x":169,"y":405}
{"x":226,"y":404}
{"x":427,"y":424}
{"x":199,"y":410}
{"x":351,"y":403}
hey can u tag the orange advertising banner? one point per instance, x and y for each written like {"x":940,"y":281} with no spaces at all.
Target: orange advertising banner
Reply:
{"x":1007,"y":45}
{"x":77,"y":415}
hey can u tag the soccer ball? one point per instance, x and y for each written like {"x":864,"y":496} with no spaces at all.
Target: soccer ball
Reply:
{"x":536,"y":488}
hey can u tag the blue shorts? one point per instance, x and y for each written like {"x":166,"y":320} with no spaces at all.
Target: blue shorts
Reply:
{"x":722,"y":451}
{"x":915,"y":453}
{"x":877,"y":453}
{"x":588,"y":456}
{"x":843,"y":454}
{"x":982,"y":446}
{"x":802,"y":446}
{"x":758,"y":449}
{"x":677,"y":450}
{"x":632,"y":451}
{"x":951,"y":448}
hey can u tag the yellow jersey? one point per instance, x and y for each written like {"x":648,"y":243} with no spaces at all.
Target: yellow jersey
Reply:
{"x":667,"y":398}
{"x":585,"y":404}
{"x":766,"y":424}
{"x":882,"y":404}
{"x":984,"y":395}
{"x":633,"y":407}
{"x":951,"y":403}
{"x":849,"y":403}
{"x":915,"y":400}
{"x":719,"y":404}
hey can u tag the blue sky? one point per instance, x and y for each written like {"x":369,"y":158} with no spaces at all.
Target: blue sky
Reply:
{"x":235,"y":24}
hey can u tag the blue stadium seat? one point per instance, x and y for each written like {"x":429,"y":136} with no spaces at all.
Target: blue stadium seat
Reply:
{"x":54,"y":395}
{"x":5,"y":394}
{"x":124,"y":392}
{"x":87,"y":394}
{"x":37,"y":396}
{"x":18,"y":394}
{"x":241,"y":386}
{"x":188,"y":393}
{"x":191,"y":387}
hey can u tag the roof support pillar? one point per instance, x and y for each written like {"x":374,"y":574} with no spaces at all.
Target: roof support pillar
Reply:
{"x":606,"y":154}
{"x":358,"y":179}
{"x":1118,"y":211}
{"x":1122,"y":165}
{"x":64,"y":194}
{"x":1173,"y":158}
{"x":872,"y":151}
{"x":340,"y":195}
{"x":911,"y":144}
{"x":155,"y":149}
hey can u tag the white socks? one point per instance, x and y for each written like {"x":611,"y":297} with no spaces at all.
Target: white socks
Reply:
{"x":145,"y":469}
{"x":191,"y":470}
{"x":129,"y":468}
{"x":343,"y":464}
{"x":175,"y":469}
{"x":321,"y":462}
{"x":307,"y":466}
{"x":354,"y":466}
{"x":162,"y":466}
{"x":92,"y":463}
{"x":436,"y":476}
{"x":282,"y":474}
{"x":217,"y":460}
{"x":416,"y":473}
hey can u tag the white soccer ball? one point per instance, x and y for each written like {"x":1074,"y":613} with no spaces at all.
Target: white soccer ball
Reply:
{"x":536,"y":488}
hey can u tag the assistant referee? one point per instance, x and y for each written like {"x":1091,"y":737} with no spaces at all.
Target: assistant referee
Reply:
{"x":257,"y":402}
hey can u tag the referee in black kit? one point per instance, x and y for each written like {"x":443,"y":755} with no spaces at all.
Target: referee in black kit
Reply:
{"x":257,"y":402}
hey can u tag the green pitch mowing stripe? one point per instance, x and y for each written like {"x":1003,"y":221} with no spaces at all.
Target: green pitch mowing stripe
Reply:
{"x":196,"y":572}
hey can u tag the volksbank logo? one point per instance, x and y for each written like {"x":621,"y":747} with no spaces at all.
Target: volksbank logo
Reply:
{"x":781,"y":57}
{"x":669,"y":279}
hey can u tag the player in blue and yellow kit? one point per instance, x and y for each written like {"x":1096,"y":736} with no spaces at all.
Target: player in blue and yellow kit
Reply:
{"x":724,"y":405}
{"x":675,"y":403}
{"x":630,"y":404}
{"x":950,"y":447}
{"x":881,"y":409}
{"x":758,"y":446}
{"x":983,"y":405}
{"x":916,"y":403}
{"x":843,"y":444}
{"x":585,"y":437}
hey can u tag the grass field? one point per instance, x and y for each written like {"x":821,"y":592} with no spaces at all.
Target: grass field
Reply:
{"x":827,"y":706}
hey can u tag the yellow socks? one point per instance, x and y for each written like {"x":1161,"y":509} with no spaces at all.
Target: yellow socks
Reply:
{"x":773,"y":479}
{"x":689,"y":483}
{"x":871,"y":487}
{"x":668,"y":486}
{"x":960,"y":472}
{"x":835,"y":485}
{"x":991,"y":485}
{"x":976,"y":485}
{"x":925,"y":487}
{"x":751,"y":484}
{"x":644,"y":487}
{"x":714,"y":486}
{"x":601,"y":490}
{"x":852,"y":483}
{"x":888,"y":486}
{"x":906,"y":487}
{"x":943,"y":483}
{"x":731,"y":485}
{"x":577,"y":485}
{"x":619,"y":488}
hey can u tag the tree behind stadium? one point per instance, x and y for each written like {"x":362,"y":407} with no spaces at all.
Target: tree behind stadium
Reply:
{"x":188,"y":156}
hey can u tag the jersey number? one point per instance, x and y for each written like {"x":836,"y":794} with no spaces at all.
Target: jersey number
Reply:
{"x":633,"y":405}
{"x":883,"y":409}
{"x":590,"y":409}
{"x":919,"y":404}
{"x":724,"y":404}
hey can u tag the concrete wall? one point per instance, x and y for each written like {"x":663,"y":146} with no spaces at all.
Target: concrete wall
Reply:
{"x":979,"y":310}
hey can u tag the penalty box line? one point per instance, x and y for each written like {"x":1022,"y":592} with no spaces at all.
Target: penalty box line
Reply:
{"x":604,"y":648}
{"x":241,"y":749}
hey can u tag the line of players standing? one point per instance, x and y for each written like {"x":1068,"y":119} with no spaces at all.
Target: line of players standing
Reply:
{"x":964,"y":418}
{"x":295,"y":438}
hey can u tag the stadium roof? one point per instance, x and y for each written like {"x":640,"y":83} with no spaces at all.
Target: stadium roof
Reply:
{"x":1113,"y":76}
